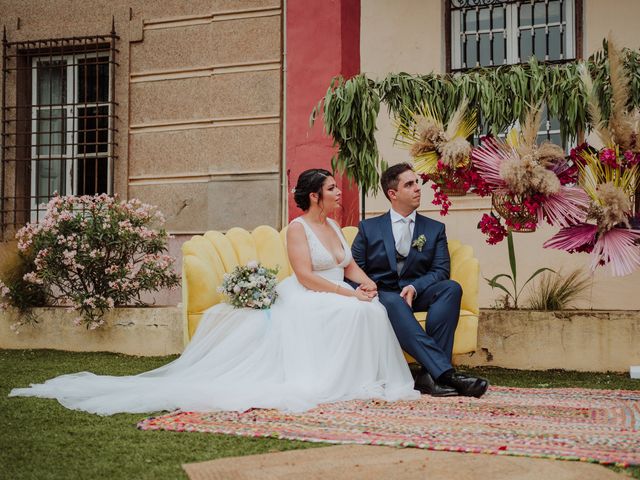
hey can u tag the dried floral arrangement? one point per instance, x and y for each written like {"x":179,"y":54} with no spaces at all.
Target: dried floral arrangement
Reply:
{"x":529,"y":183}
{"x":441,"y":153}
{"x":610,"y":177}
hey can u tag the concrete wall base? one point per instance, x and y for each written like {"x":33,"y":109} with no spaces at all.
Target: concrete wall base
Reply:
{"x":583,"y":340}
{"x":134,"y":331}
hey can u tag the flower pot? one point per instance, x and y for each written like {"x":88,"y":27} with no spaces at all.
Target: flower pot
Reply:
{"x":521,"y":220}
{"x":454,"y":191}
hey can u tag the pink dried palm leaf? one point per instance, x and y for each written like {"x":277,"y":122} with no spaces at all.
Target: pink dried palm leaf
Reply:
{"x":488,"y":157}
{"x":567,"y":207}
{"x":619,"y":248}
{"x":580,"y":237}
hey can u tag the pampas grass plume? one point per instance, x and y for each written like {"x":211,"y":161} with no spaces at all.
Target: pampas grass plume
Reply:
{"x":615,"y":205}
{"x":455,"y":152}
{"x":549,"y":153}
{"x":525,"y":175}
{"x":620,"y":122}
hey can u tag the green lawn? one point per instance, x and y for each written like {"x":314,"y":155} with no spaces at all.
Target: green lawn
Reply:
{"x":39,"y":439}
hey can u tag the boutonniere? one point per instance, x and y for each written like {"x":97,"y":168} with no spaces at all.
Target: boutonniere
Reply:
{"x":419,"y":242}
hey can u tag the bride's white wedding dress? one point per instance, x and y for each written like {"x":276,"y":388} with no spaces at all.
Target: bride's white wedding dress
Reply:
{"x":310,"y":348}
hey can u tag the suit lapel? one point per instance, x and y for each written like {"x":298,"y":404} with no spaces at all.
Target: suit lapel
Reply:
{"x":389,"y":242}
{"x":417,"y":231}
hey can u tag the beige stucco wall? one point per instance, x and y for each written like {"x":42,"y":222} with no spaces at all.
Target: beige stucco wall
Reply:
{"x":618,"y":17}
{"x":408,"y":35}
{"x":198,"y":87}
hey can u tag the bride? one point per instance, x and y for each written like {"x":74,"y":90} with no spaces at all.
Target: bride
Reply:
{"x":322,"y":341}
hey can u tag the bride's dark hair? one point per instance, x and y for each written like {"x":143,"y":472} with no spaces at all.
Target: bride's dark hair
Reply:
{"x":309,"y":181}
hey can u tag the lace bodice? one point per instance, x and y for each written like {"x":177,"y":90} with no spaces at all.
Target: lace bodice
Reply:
{"x":322,"y":260}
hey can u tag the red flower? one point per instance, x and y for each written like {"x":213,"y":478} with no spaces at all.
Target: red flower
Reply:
{"x":631,"y":158}
{"x":490,"y":225}
{"x":440,"y":198}
{"x":575,"y":152}
{"x":477,"y":184}
{"x":608,"y":157}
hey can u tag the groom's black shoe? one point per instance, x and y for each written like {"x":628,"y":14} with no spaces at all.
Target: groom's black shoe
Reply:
{"x":464,"y":384}
{"x":426,"y":384}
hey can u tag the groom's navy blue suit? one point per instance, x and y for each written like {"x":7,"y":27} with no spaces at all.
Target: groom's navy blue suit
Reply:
{"x":428,"y":271}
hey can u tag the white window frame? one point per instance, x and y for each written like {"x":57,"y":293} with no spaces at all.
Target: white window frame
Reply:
{"x":512,"y":33}
{"x":71,"y":109}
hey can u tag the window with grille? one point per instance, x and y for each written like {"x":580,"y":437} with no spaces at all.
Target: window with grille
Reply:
{"x":58,"y":123}
{"x":487,"y":33}
{"x":490,"y":33}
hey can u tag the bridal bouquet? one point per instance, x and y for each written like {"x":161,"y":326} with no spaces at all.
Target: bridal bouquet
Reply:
{"x":250,"y":286}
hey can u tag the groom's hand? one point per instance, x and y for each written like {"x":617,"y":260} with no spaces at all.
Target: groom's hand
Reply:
{"x":370,"y":287}
{"x":407,"y":294}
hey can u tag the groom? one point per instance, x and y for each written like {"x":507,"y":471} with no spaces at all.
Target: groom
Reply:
{"x":406,"y":255}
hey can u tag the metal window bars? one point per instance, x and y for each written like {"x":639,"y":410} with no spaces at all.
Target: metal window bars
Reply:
{"x":488,"y":33}
{"x":58,"y":124}
{"x":491,"y":33}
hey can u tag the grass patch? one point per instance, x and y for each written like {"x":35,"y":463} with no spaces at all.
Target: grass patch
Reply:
{"x":40,"y":439}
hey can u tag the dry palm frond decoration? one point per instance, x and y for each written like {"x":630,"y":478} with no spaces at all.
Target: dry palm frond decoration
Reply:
{"x":429,"y":141}
{"x":529,"y":182}
{"x":609,"y":177}
{"x":441,"y":153}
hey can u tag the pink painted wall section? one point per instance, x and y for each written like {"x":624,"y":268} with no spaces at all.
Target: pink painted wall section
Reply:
{"x":322,"y":41}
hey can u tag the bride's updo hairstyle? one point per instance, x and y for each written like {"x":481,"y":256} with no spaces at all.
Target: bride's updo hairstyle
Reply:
{"x":309,"y":181}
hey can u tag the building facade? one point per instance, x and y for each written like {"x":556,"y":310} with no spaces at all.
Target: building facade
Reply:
{"x":202,"y":107}
{"x":176,"y":103}
{"x":423,"y":36}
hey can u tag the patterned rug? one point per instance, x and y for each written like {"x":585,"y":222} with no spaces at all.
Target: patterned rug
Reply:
{"x":600,"y":426}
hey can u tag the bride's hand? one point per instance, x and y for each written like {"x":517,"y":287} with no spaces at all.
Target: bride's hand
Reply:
{"x":369,"y":286}
{"x":360,"y":294}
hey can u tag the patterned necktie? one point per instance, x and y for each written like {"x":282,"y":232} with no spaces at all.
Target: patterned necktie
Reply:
{"x":403,"y":243}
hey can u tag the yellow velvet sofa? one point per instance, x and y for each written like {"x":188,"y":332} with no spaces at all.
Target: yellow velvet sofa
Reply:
{"x":207,"y":257}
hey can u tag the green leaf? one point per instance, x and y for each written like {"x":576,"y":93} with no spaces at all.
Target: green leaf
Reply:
{"x":512,"y":256}
{"x":494,"y":284}
{"x":534,"y":275}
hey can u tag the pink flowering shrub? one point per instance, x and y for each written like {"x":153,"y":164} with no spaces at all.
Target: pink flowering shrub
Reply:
{"x":92,"y":253}
{"x":14,"y":290}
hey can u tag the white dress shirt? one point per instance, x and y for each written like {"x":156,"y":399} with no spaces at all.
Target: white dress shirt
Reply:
{"x":396,"y":223}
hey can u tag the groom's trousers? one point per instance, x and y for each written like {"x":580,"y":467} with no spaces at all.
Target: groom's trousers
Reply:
{"x":431,"y":348}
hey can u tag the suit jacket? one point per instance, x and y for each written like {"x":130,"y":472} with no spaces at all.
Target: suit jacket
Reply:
{"x":374,"y":251}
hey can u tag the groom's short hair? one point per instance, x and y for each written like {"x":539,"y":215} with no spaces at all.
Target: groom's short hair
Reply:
{"x":389,"y":179}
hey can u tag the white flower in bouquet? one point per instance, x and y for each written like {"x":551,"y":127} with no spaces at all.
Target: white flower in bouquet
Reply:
{"x":250,"y":286}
